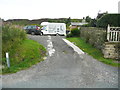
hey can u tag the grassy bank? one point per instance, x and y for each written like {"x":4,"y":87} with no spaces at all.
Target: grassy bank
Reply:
{"x":23,"y":52}
{"x":27,"y":54}
{"x":96,"y":53}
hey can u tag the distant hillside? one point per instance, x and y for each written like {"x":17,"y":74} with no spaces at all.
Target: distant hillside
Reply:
{"x":38,"y":21}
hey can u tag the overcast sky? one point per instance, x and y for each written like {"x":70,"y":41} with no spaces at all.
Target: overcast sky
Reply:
{"x":36,"y":9}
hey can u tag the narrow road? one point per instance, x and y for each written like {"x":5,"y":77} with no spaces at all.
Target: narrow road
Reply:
{"x":63,"y":68}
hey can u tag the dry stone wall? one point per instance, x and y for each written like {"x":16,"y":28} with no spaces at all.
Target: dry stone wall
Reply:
{"x":97,"y":37}
{"x":111,"y":50}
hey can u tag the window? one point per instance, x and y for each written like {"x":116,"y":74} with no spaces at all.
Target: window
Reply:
{"x":61,"y":28}
{"x":29,"y":27}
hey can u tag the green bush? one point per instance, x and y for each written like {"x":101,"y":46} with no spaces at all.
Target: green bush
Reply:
{"x":74,"y":33}
{"x":69,"y":35}
{"x":11,"y":38}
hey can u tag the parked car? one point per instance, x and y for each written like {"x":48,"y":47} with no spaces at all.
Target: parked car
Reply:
{"x":32,"y":29}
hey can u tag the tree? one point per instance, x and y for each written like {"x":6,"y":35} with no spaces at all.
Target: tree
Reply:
{"x":101,"y":14}
{"x":68,"y":21}
{"x":93,"y":22}
{"x":88,"y":19}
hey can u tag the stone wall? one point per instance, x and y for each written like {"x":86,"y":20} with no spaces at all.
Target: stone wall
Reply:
{"x":97,"y":37}
{"x":111,"y":50}
{"x":94,"y":36}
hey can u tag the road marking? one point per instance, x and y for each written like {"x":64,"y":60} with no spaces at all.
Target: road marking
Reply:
{"x":50,"y":48}
{"x":76,"y":49}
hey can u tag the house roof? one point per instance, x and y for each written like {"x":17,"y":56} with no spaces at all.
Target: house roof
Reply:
{"x":78,"y":23}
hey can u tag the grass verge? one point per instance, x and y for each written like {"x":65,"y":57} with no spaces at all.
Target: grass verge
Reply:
{"x":28,"y":53}
{"x":96,"y":53}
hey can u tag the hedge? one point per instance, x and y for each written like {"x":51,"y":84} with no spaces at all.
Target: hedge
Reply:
{"x":112,"y":19}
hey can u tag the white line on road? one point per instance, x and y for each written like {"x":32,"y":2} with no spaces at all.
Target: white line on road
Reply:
{"x":76,"y":49}
{"x":50,"y":48}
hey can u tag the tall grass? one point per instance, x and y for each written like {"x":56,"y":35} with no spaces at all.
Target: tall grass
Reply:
{"x":11,"y":38}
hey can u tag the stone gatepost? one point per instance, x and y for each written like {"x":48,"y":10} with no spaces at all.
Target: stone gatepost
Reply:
{"x":111,"y":50}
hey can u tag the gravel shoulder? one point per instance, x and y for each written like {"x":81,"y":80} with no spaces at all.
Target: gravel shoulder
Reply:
{"x":64,"y":68}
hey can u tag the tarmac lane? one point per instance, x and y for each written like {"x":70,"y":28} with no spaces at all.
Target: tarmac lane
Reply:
{"x":65,"y":66}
